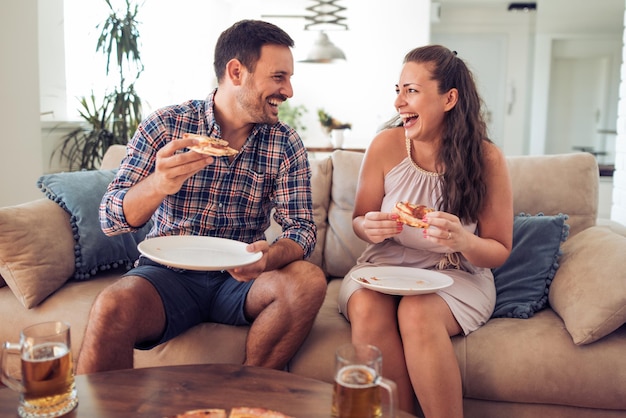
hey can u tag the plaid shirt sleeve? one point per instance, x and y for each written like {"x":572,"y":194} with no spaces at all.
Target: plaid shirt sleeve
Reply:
{"x":294,"y":207}
{"x":137,"y":164}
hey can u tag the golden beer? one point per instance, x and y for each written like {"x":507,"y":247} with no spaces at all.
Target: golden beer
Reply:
{"x":47,"y":375}
{"x":46,"y":384}
{"x":356,"y":393}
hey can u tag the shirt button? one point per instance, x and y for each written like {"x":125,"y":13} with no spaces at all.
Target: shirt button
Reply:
{"x":220,"y":205}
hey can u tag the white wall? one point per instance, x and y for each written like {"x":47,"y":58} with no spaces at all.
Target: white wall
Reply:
{"x":21,"y":157}
{"x":359,"y":91}
{"x":461,"y":21}
{"x":618,"y":208}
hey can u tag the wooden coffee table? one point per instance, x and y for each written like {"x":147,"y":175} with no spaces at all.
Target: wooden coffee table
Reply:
{"x":166,"y":391}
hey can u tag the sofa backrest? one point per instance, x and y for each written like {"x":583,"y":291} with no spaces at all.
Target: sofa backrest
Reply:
{"x":553,"y":184}
{"x":548,"y":184}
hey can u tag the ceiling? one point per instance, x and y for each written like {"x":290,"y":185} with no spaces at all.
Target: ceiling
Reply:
{"x":587,"y":16}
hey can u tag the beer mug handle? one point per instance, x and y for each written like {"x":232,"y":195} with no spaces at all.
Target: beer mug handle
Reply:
{"x":7,"y":379}
{"x":390,"y":387}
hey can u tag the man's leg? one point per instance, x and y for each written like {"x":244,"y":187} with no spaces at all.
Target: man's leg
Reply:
{"x":124,"y":313}
{"x":283,"y":305}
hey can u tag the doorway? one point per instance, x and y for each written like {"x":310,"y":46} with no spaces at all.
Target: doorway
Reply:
{"x":582,"y":104}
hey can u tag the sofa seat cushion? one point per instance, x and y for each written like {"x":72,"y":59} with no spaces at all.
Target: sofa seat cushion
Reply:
{"x":316,"y":357}
{"x":217,"y":343}
{"x":71,"y":303}
{"x":535,"y":360}
{"x":202,"y":344}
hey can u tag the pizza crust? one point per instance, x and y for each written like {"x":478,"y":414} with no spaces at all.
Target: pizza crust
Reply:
{"x":211,"y":146}
{"x":245,"y":412}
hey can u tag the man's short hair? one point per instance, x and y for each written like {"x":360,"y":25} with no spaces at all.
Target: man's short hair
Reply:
{"x":243,"y":41}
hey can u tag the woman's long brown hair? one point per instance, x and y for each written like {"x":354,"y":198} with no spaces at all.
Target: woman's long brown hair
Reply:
{"x":464,"y":133}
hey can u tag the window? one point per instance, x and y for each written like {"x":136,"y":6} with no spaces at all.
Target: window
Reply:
{"x":176,"y":49}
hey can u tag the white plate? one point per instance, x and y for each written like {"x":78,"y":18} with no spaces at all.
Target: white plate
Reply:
{"x":400,"y":280}
{"x":197,"y":253}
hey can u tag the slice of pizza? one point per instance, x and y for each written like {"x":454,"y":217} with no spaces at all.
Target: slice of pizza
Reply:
{"x":211,"y":146}
{"x":203,"y":413}
{"x":246,"y":412}
{"x":412,"y":214}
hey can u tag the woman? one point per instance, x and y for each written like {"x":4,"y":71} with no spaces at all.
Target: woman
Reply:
{"x":438,"y":155}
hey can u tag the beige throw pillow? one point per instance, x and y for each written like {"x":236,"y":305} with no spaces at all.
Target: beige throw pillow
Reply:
{"x":589,"y":289}
{"x":36,"y":249}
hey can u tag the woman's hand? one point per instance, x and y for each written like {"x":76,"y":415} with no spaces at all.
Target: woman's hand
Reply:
{"x":446,"y":229}
{"x":378,"y":226}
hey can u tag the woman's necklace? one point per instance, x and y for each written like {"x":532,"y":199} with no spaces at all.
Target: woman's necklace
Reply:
{"x":417,"y":167}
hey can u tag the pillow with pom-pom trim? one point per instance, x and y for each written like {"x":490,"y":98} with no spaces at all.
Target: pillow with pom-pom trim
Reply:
{"x":79,"y":193}
{"x":523,"y":281}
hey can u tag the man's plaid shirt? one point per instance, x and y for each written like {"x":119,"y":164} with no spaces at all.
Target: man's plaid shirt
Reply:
{"x":227,"y":200}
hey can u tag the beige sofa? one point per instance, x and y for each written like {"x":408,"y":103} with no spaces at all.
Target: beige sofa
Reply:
{"x":510,"y":367}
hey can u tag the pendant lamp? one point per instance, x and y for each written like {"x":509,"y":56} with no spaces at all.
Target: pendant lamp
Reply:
{"x":324,"y":17}
{"x":324,"y":51}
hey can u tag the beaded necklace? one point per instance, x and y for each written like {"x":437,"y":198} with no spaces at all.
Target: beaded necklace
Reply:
{"x":417,"y":167}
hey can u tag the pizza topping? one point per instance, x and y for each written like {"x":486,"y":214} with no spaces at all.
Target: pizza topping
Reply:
{"x":203,"y":413}
{"x":238,"y":412}
{"x":412,"y":214}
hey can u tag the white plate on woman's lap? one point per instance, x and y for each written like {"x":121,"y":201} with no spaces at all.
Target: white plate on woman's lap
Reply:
{"x":395,"y":280}
{"x":201,"y":253}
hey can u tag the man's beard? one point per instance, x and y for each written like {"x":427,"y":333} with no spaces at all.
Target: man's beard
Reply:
{"x":255,"y":106}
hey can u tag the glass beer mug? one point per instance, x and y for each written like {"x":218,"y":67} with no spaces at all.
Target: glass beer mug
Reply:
{"x":46,"y":385}
{"x":358,"y":383}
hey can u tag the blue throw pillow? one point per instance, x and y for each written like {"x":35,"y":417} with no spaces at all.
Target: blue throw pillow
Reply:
{"x":80,"y":193}
{"x":523,"y":281}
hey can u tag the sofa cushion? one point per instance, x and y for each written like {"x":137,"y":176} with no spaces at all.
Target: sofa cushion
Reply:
{"x":320,"y":189}
{"x":80,"y":193}
{"x":36,"y":249}
{"x":553,"y":184}
{"x":589,"y":290}
{"x":534,"y":361}
{"x":342,"y":246}
{"x":522,"y":282}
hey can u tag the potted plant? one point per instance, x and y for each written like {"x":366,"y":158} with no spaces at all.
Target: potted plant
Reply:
{"x":116,"y":119}
{"x":292,"y":115}
{"x":333,"y":127}
{"x":329,"y":123}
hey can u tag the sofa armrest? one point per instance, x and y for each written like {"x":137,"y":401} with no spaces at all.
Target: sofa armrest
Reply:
{"x":113,"y":157}
{"x":614,"y":226}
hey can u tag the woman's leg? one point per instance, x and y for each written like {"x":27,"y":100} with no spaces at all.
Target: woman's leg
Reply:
{"x":426,"y":324}
{"x":373,"y":317}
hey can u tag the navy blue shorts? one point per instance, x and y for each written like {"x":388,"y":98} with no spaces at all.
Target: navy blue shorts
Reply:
{"x":192,"y":297}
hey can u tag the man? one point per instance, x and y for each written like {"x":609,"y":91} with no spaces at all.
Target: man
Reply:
{"x":189,"y":193}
